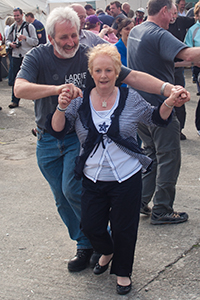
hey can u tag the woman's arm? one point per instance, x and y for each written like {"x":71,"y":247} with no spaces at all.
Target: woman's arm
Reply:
{"x":177,"y":98}
{"x":58,"y":119}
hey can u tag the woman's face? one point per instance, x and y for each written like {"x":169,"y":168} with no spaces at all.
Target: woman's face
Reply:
{"x":103,"y":72}
{"x":198,"y":15}
{"x":126,"y":30}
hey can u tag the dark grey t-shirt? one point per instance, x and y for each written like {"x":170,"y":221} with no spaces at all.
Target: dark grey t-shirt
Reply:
{"x":152,"y":49}
{"x":41,"y":66}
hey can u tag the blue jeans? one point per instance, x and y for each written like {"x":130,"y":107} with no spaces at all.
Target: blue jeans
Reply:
{"x":16,"y":63}
{"x":56,"y":160}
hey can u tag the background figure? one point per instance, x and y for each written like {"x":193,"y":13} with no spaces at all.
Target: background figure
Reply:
{"x":21,"y":38}
{"x":162,"y":145}
{"x":1,"y":42}
{"x":9,"y":21}
{"x":107,"y":10}
{"x":126,"y":8}
{"x":178,"y":27}
{"x":92,"y":23}
{"x":124,"y":27}
{"x":181,"y":8}
{"x":192,"y":39}
{"x":109,"y":163}
{"x":105,"y":19}
{"x":86,"y":37}
{"x":89,"y":10}
{"x":116,"y":12}
{"x":197,"y":113}
{"x":41,"y":33}
{"x":139,"y":16}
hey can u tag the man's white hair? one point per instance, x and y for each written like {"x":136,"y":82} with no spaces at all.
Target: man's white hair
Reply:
{"x":60,"y":15}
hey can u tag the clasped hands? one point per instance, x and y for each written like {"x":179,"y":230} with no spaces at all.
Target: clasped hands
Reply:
{"x":68,"y":92}
{"x":179,"y":95}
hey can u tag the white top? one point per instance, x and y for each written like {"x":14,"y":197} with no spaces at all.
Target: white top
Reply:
{"x":6,"y":31}
{"x":109,"y":163}
{"x":183,"y":14}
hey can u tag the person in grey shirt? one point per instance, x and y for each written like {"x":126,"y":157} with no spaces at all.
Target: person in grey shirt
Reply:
{"x":85,"y":36}
{"x":116,"y":12}
{"x":21,"y":38}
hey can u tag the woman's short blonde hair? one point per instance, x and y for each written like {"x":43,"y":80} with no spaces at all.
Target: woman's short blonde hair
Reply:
{"x":9,"y":20}
{"x":107,"y":50}
{"x":196,"y":8}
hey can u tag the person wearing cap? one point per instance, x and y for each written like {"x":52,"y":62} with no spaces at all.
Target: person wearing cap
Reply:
{"x":92,"y":23}
{"x":104,"y":18}
{"x":86,"y":37}
{"x":139,"y":16}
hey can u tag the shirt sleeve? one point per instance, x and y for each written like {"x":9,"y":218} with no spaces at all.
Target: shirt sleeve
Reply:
{"x":188,"y":38}
{"x":169,"y":46}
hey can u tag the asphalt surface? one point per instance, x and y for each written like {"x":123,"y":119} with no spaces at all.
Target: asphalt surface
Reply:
{"x":35,"y":246}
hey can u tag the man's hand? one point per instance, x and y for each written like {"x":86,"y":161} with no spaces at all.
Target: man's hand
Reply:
{"x":184,"y":96}
{"x":178,"y":97}
{"x":68,"y":92}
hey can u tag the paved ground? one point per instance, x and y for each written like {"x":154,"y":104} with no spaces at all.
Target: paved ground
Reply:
{"x":35,"y":247}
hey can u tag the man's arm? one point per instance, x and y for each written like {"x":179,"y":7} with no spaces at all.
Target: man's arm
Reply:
{"x":147,"y":83}
{"x":33,"y":91}
{"x":190,"y":54}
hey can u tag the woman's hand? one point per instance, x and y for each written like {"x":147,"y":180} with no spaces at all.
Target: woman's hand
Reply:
{"x":68,"y":92}
{"x":178,"y":96}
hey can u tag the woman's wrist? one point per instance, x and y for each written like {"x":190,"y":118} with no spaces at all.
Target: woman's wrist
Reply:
{"x":60,"y":108}
{"x":167,"y":105}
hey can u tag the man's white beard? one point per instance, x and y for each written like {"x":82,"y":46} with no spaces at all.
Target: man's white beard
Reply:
{"x":62,"y":52}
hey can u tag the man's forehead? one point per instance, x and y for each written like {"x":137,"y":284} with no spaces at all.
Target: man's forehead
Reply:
{"x":17,"y":13}
{"x":59,"y":26}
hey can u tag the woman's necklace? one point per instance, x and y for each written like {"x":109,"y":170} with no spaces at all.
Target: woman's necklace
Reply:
{"x":104,"y":102}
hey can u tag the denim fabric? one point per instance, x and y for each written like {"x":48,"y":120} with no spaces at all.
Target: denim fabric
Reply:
{"x":56,"y":160}
{"x":16,"y":63}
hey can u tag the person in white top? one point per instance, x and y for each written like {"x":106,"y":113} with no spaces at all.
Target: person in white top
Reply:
{"x":110,"y":160}
{"x":181,"y":8}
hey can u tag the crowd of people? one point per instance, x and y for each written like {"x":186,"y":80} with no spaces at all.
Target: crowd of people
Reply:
{"x":103,"y":78}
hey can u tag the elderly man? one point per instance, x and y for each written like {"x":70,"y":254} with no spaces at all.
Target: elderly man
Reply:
{"x":21,"y":38}
{"x":86,"y":37}
{"x":126,"y":8}
{"x":152,"y":49}
{"x":44,"y":72}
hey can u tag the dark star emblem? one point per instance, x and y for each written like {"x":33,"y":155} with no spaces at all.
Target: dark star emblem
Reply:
{"x":103,"y":127}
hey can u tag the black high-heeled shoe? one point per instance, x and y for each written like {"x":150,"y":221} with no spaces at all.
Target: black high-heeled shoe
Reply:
{"x":123,"y":290}
{"x":100,"y":269}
